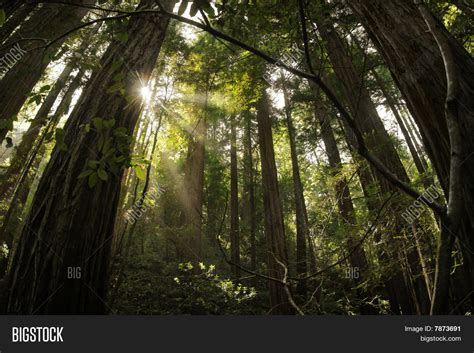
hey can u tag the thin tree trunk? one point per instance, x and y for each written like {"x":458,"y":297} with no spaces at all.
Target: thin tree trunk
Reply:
{"x":302,"y":229}
{"x":417,"y":159}
{"x":248,"y":214}
{"x":194,"y":188}
{"x":234,"y":201}
{"x":274,"y":227}
{"x":140,"y":204}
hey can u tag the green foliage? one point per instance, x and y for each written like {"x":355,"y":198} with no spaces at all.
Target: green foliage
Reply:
{"x":152,"y":288}
{"x":113,"y":145}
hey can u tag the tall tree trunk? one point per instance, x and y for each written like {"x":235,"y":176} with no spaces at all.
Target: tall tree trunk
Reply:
{"x":302,"y":229}
{"x":49,"y":22}
{"x":7,"y":181}
{"x":277,"y":256}
{"x":194,"y":186}
{"x":416,"y":63}
{"x":21,"y":186}
{"x":234,"y":201}
{"x":357,"y":257}
{"x":377,"y":139}
{"x":71,"y":223}
{"x":420,"y":164}
{"x":248,"y":212}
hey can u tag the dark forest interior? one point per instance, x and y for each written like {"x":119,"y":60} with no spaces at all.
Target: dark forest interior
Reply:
{"x":237,"y":157}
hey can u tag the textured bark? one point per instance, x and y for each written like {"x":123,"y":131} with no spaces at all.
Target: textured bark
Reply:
{"x":415,"y":61}
{"x":7,"y":181}
{"x":420,"y":164}
{"x":450,"y":224}
{"x":14,"y":21}
{"x":302,"y":229}
{"x":71,"y":224}
{"x":344,"y":200}
{"x":10,"y":6}
{"x":248,"y":213}
{"x":31,"y":161}
{"x":379,"y":143}
{"x":194,"y":188}
{"x":361,"y":105}
{"x":234,"y":202}
{"x":48,"y":23}
{"x":357,"y":258}
{"x":274,"y":227}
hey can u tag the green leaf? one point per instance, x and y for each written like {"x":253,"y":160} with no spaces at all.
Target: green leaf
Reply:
{"x":36,"y":99}
{"x":98,"y":123}
{"x":100,"y":142}
{"x":140,"y":173}
{"x":207,"y":8}
{"x":62,"y":146}
{"x":182,"y":7}
{"x":120,"y":159}
{"x":120,"y":131}
{"x":92,"y":181}
{"x":45,"y":88}
{"x":108,"y":124}
{"x":102,"y":174}
{"x":107,"y":146}
{"x":93,"y":164}
{"x":59,"y":134}
{"x":85,"y":173}
{"x":194,"y":9}
{"x":89,"y":66}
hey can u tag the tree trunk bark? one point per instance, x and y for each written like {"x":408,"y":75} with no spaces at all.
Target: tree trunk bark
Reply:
{"x":410,"y":50}
{"x":234,"y":201}
{"x":377,"y":139}
{"x":274,"y":227}
{"x":302,"y":229}
{"x":248,"y":213}
{"x":194,"y":188}
{"x":70,"y":225}
{"x":28,"y":65}
{"x":7,"y":181}
{"x":14,"y":21}
{"x":10,"y":6}
{"x":417,"y":159}
{"x":21,"y":186}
